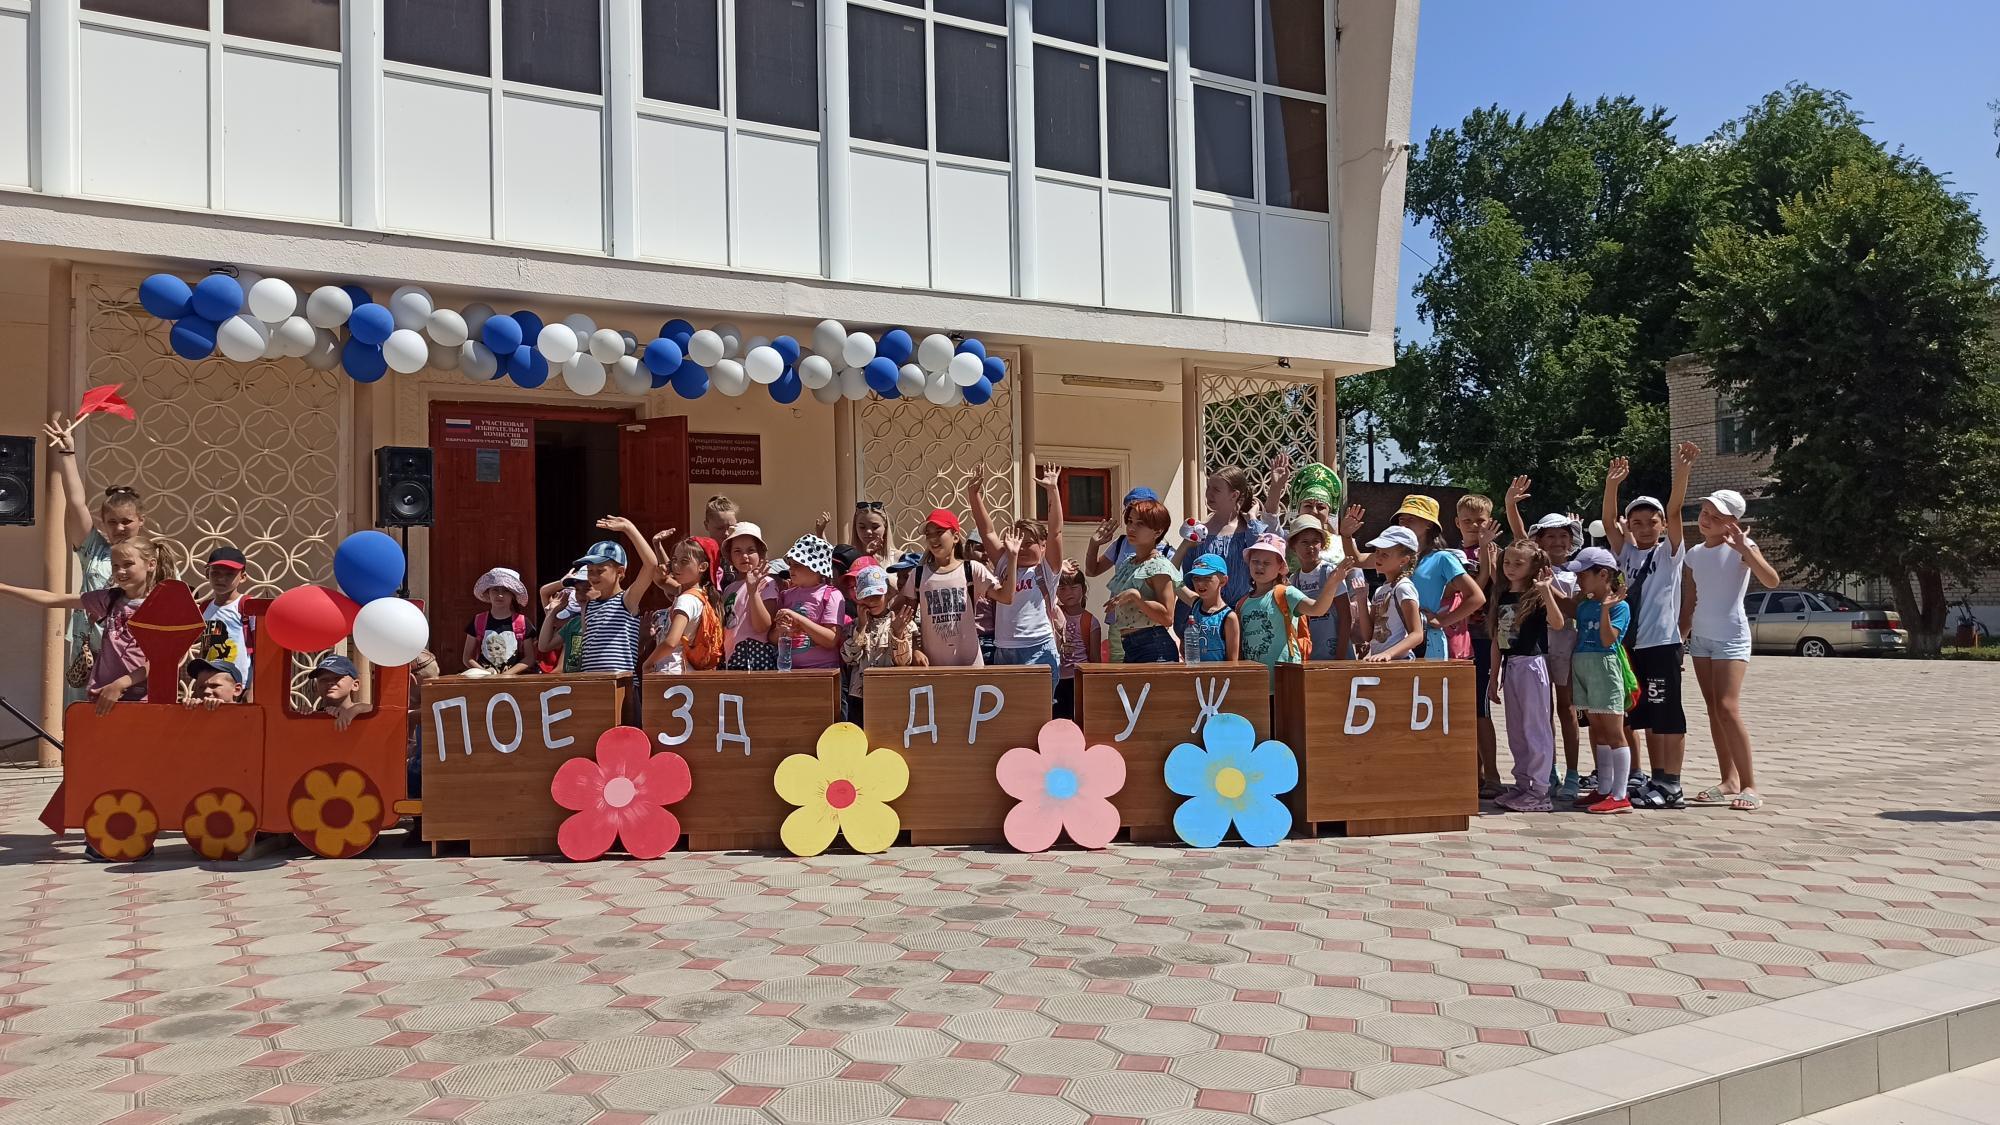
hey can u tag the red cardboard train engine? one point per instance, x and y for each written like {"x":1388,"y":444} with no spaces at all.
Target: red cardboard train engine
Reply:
{"x":223,"y":776}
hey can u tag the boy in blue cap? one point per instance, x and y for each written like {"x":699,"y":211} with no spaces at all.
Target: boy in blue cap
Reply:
{"x":1221,"y":631}
{"x":338,"y":684}
{"x":611,"y":615}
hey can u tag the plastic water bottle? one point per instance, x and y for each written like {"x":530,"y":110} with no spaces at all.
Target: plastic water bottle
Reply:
{"x":1193,"y":641}
{"x":785,"y":649}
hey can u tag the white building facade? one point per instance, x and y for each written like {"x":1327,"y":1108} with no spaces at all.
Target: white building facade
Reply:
{"x":1144,"y":205}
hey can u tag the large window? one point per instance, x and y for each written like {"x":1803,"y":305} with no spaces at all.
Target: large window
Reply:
{"x":1222,"y":37}
{"x":1138,"y":146}
{"x":1295,"y":153}
{"x":446,"y":34}
{"x":552,"y":43}
{"x":1295,"y":44}
{"x":1260,"y":101}
{"x":180,"y":13}
{"x":1066,"y":111}
{"x":885,"y":77}
{"x":680,"y":52}
{"x":1074,"y":20}
{"x":302,"y":23}
{"x":1222,"y":142}
{"x":1136,"y":27}
{"x":972,"y":93}
{"x":1102,"y":96}
{"x":777,"y":62}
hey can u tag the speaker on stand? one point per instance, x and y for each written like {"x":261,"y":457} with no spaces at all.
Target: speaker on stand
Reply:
{"x":405,"y":495}
{"x":17,"y":481}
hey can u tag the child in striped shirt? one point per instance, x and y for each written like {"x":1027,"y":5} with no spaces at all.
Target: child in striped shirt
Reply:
{"x":611,"y":616}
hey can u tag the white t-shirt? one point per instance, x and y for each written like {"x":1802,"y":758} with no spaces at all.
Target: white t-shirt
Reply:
{"x":1721,"y":578}
{"x":1024,"y":622}
{"x":675,"y":662}
{"x":1653,"y":590}
{"x":224,"y":639}
{"x":1386,"y":607}
{"x":1564,"y":584}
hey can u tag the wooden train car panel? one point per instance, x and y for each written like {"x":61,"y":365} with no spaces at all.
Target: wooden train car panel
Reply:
{"x":1145,"y":710}
{"x":952,"y":725}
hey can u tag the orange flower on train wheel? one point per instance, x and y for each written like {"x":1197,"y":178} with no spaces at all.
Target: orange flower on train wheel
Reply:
{"x":219,"y":824}
{"x":336,"y":811}
{"x":121,"y":824}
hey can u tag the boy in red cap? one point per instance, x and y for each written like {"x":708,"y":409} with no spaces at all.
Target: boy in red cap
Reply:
{"x":946,"y":589}
{"x":224,"y":639}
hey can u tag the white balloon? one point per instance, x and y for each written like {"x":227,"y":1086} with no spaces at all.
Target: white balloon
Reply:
{"x":391,"y":632}
{"x":934,"y":354}
{"x":271,"y":300}
{"x":828,"y":394}
{"x":556,"y":343}
{"x":443,"y":357}
{"x":910,"y":380}
{"x":728,"y":377}
{"x":815,"y":371}
{"x":941,"y":390}
{"x":247,"y":280}
{"x":477,"y":361}
{"x":325,"y":353}
{"x":755,"y":342}
{"x":854,"y":384}
{"x":274,"y":348}
{"x":411,"y":307}
{"x":732,"y":339}
{"x":406,"y":351}
{"x":583,"y":326}
{"x":858,"y":349}
{"x":242,"y":338}
{"x":629,"y":376}
{"x":965,"y":369}
{"x":705,"y":347}
{"x":294,"y":337}
{"x":447,"y":327}
{"x":606,"y":345}
{"x":476,"y":315}
{"x":763,"y":364}
{"x":329,"y":307}
{"x":583,"y":374}
{"x":830,"y":338}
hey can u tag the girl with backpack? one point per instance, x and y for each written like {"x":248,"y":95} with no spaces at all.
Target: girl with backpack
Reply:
{"x":1029,"y":629}
{"x":946,"y":589}
{"x":501,"y":640}
{"x":691,"y":633}
{"x":1272,"y":616}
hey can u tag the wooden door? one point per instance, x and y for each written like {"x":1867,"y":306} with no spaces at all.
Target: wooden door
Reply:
{"x":653,"y":483}
{"x":485,"y":516}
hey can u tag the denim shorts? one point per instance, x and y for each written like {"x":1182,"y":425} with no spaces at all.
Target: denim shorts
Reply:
{"x":1151,"y":646}
{"x":1701,"y":648}
{"x":1044,"y":654}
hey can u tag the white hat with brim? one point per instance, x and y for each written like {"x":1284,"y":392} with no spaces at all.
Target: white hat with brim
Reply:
{"x":1727,"y":501}
{"x":503,"y":577}
{"x":737,"y":531}
{"x":1397,"y":536}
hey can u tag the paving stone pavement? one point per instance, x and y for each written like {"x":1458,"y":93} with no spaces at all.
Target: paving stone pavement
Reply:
{"x":967,"y":985}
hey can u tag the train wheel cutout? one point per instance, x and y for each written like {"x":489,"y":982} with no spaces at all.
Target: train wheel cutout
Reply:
{"x":121,"y":825}
{"x":336,"y":810}
{"x":219,"y":824}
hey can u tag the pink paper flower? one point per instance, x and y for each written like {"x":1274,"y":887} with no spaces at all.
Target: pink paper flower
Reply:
{"x":621,"y":796}
{"x":1063,"y":787}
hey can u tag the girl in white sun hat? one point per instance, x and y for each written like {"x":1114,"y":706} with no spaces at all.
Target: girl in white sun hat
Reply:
{"x":1718,"y":634}
{"x":500,"y":641}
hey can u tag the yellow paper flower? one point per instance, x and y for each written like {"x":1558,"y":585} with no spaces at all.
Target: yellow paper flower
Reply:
{"x":219,"y":824}
{"x":334,"y":811}
{"x":842,"y":789}
{"x":121,"y":825}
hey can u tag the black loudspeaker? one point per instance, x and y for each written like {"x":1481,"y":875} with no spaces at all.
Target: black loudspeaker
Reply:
{"x":17,"y":481}
{"x":403,"y":493}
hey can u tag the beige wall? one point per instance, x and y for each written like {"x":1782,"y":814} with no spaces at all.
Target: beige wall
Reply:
{"x":1138,"y":438}
{"x":24,"y":317}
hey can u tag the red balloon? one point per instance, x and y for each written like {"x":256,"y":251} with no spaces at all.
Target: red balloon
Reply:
{"x":309,"y":618}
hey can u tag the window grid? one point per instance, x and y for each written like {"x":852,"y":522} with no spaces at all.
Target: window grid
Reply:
{"x":1102,"y":57}
{"x":1257,"y":91}
{"x":495,"y":79}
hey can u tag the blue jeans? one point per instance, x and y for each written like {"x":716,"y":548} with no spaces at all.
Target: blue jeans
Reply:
{"x":1044,"y":654}
{"x":1151,"y":646}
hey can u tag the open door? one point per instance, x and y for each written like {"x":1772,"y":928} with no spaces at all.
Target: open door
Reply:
{"x":653,"y":482}
{"x":485,"y":515}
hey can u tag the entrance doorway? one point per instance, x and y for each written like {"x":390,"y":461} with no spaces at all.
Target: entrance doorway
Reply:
{"x":524,"y":486}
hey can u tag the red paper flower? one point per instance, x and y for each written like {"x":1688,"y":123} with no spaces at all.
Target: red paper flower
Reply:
{"x":106,"y":400}
{"x":621,"y":797}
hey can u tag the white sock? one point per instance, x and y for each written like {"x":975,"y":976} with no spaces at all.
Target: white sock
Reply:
{"x":1621,"y":772}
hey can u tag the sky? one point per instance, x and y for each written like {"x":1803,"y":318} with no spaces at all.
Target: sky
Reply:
{"x":1920,"y":71}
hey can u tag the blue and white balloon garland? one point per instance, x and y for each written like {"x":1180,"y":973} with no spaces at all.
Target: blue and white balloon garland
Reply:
{"x":266,"y":319}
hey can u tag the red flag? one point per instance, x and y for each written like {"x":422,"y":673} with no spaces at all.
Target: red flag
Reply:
{"x":106,"y":400}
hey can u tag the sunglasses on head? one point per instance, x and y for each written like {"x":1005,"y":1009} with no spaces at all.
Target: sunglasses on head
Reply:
{"x":869,"y":505}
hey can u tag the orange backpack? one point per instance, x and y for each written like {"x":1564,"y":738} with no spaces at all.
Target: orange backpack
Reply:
{"x":703,"y":650}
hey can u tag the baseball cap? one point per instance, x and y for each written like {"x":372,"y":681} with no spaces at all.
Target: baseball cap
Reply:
{"x":1138,"y":494}
{"x":580,"y":574}
{"x":1304,"y":523}
{"x":1728,"y":501}
{"x":871,"y":580}
{"x":1645,"y":502}
{"x":197,"y":666}
{"x":1397,"y":536}
{"x":1208,"y":564}
{"x":845,"y":556}
{"x":908,"y":560}
{"x":738,"y":530}
{"x":857,"y":564}
{"x":1590,"y":558}
{"x":227,"y":556}
{"x":334,"y":664}
{"x":1269,"y":541}
{"x":943,"y":518}
{"x":603,"y":551}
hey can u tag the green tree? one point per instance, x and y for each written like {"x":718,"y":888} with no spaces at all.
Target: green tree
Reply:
{"x":1854,"y":334}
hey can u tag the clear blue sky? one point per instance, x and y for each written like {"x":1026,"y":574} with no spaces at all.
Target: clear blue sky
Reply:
{"x":1920,"y":72}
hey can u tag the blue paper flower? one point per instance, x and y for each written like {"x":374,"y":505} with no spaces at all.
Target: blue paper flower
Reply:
{"x":1232,"y":779}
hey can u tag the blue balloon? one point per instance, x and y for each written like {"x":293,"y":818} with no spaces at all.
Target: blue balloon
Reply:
{"x":676,"y":327}
{"x":502,"y":334}
{"x":358,"y":295}
{"x":787,"y":388}
{"x":530,"y":324}
{"x":528,"y":367}
{"x":973,"y":346}
{"x":363,"y":361}
{"x":690,"y":379}
{"x":681,"y":339}
{"x":193,"y":337}
{"x":881,"y":375}
{"x":165,"y":296}
{"x":371,"y":324}
{"x":217,"y":297}
{"x":368,"y":566}
{"x":980,"y":393}
{"x":787,"y":347}
{"x":995,"y":369}
{"x":663,"y":357}
{"x":895,"y":346}
{"x":893,"y":392}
